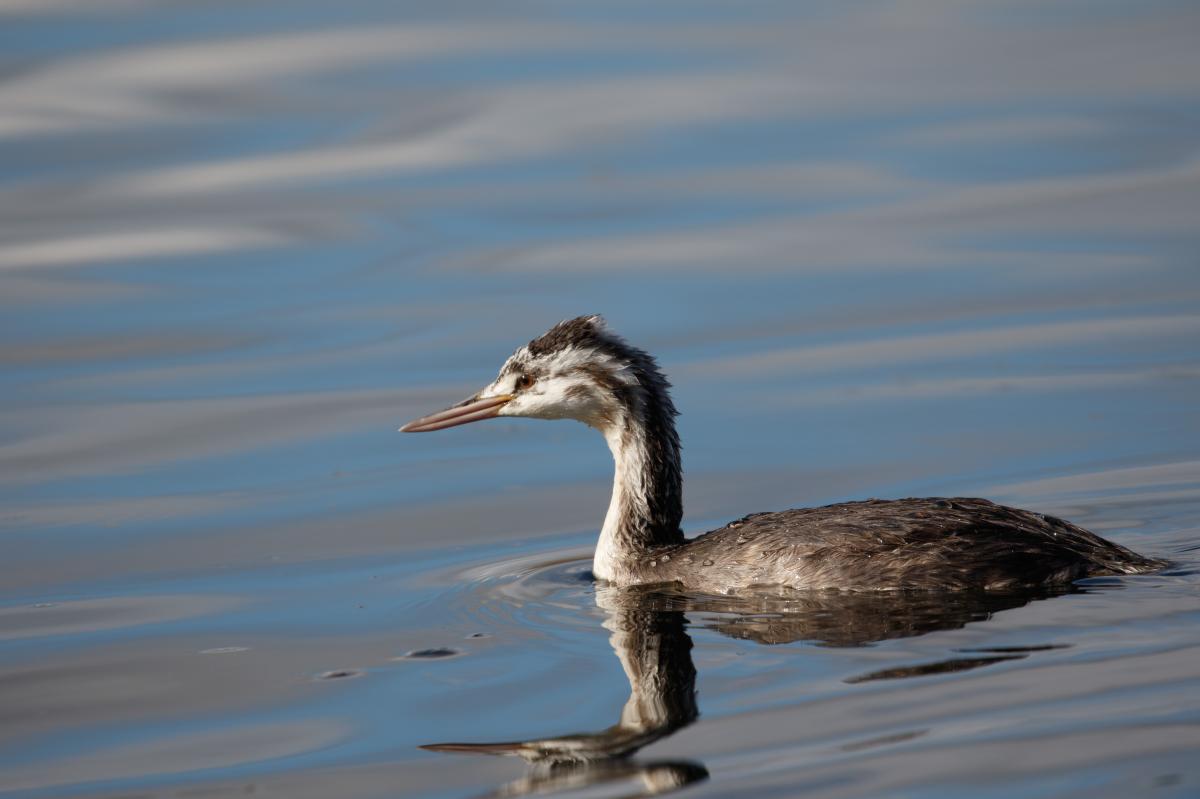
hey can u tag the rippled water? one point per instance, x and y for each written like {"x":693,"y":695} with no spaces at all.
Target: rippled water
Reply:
{"x":882,"y":249}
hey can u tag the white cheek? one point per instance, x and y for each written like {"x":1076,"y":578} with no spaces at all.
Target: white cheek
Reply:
{"x":531,"y":404}
{"x":549,"y":403}
{"x":554,"y":399}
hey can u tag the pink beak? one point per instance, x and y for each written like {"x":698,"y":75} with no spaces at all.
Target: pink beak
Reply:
{"x":471,"y":410}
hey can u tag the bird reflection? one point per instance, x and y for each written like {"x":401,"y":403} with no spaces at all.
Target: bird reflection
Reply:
{"x":655,"y":652}
{"x":841,"y":619}
{"x":649,"y":635}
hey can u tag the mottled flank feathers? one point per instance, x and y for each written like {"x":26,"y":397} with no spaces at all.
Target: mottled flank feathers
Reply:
{"x":903,"y":544}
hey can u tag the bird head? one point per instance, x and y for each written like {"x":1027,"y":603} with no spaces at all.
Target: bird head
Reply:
{"x":577,"y":370}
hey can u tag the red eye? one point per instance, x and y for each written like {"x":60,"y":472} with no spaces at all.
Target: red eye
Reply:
{"x":524,"y":382}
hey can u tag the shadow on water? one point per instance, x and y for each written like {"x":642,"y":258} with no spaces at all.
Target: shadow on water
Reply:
{"x":650,"y":639}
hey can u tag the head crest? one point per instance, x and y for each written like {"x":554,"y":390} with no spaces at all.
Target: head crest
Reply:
{"x":583,"y":331}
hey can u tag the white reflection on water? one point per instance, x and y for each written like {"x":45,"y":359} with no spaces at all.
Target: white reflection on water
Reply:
{"x":1010,"y":384}
{"x":999,"y":131}
{"x":118,"y":437}
{"x":132,"y":245}
{"x":922,"y":233}
{"x":1160,"y":474}
{"x":215,"y":749}
{"x":125,"y":88}
{"x":93,"y":615}
{"x":933,"y":347}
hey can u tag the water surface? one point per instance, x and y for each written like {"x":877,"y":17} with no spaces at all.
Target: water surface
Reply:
{"x":882,"y":249}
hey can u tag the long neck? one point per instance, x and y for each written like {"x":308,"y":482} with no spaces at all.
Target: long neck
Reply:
{"x":647,"y":499}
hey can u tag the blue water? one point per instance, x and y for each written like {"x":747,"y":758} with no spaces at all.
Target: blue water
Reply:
{"x":881,"y":249}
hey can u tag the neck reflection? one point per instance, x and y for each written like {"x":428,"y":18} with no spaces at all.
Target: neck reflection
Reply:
{"x":655,"y":652}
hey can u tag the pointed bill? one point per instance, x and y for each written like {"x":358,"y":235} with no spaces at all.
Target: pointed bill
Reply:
{"x":471,"y":410}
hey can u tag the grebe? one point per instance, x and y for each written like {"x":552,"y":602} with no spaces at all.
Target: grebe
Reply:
{"x":580,"y":370}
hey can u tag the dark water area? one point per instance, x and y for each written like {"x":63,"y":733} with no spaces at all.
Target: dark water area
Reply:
{"x":881,"y":249}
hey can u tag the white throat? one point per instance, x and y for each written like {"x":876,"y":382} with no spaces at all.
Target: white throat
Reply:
{"x":628,"y":502}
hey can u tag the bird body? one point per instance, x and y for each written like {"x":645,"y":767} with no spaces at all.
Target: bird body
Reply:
{"x":901,"y":544}
{"x":581,"y":370}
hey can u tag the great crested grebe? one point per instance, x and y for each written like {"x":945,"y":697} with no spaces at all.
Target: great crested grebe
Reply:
{"x":581,"y":370}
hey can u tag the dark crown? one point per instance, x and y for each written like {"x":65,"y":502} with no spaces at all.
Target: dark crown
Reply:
{"x":582,"y":331}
